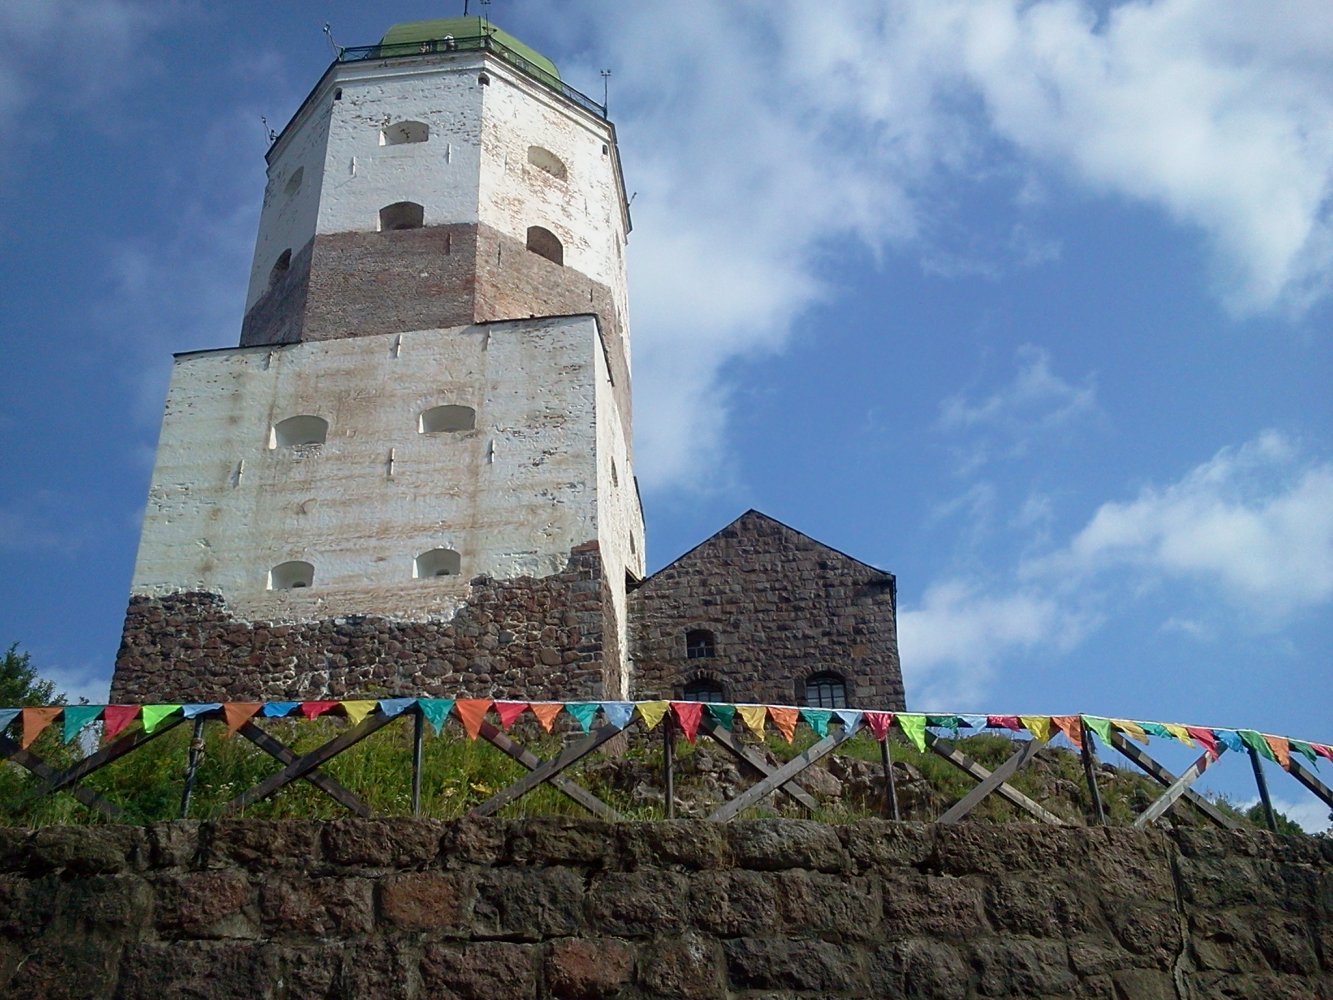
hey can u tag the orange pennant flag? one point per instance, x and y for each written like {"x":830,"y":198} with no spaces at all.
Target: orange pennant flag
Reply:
{"x":472,"y":712}
{"x":785,"y":720}
{"x":34,"y":721}
{"x":509,"y":711}
{"x":238,"y":713}
{"x":1281,"y":750}
{"x":546,"y":712}
{"x":1072,"y":727}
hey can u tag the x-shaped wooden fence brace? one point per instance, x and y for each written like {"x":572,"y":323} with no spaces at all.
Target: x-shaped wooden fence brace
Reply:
{"x":1176,"y":787}
{"x":990,"y":781}
{"x":549,"y":771}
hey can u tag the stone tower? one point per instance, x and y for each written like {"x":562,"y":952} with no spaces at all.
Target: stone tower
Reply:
{"x":414,"y":474}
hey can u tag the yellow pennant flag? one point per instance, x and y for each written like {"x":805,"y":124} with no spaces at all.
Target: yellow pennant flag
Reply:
{"x":1038,"y":725}
{"x":358,"y":710}
{"x":651,"y":712}
{"x":1179,"y":732}
{"x":753,"y":716}
{"x":1131,"y":729}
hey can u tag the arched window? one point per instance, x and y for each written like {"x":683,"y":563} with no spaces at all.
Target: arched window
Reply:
{"x":546,"y":244}
{"x":436,"y":562}
{"x":700,"y":644}
{"x":294,"y":182}
{"x":280,"y":267}
{"x":402,"y":132}
{"x":703,"y":689}
{"x":544,"y":159}
{"x":402,"y":215}
{"x":303,"y":429}
{"x":446,"y":418}
{"x":291,"y":575}
{"x":826,"y":690}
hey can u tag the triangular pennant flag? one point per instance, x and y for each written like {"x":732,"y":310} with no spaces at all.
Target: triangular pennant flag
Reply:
{"x":1131,"y":729}
{"x":1009,"y":722}
{"x":618,"y":713}
{"x":1230,"y":739}
{"x":435,"y":711}
{"x":314,"y":709}
{"x":1281,"y":750}
{"x":1305,"y":750}
{"x":1072,"y":727}
{"x":1323,"y":750}
{"x":154,"y":714}
{"x":1038,"y":725}
{"x":1256,"y":743}
{"x":198,"y":709}
{"x":975,"y":721}
{"x":1205,"y":739}
{"x":1100,"y":726}
{"x":116,"y":718}
{"x":914,"y":728}
{"x":584,"y":712}
{"x":753,"y":716}
{"x":471,"y":712}
{"x":878,"y":723}
{"x":358,"y":710}
{"x":817,"y":719}
{"x":393,"y":707}
{"x":546,"y":711}
{"x":279,"y":709}
{"x":1178,"y":732}
{"x":723,"y":715}
{"x":687,"y":713}
{"x":1156,"y":729}
{"x":851,"y":719}
{"x":949,"y":722}
{"x":8,"y":715}
{"x":76,"y":717}
{"x":34,"y":721}
{"x":509,"y":711}
{"x":651,"y":712}
{"x":238,"y":713}
{"x":785,"y":720}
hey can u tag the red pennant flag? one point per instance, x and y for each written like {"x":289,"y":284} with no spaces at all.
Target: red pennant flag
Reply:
{"x":785,"y":720}
{"x":1281,"y":750}
{"x":878,"y":723}
{"x":314,"y":709}
{"x":509,"y":711}
{"x":34,"y":721}
{"x":117,"y":717}
{"x":1322,"y":750}
{"x":1004,"y":722}
{"x":546,"y":712}
{"x":238,"y":713}
{"x":1205,"y":739}
{"x":1072,"y":727}
{"x":687,"y":714}
{"x":471,"y":712}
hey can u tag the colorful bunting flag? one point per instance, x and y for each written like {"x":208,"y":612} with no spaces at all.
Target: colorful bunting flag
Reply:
{"x":1155,"y":729}
{"x":198,"y":709}
{"x":1072,"y":727}
{"x":851,"y":719}
{"x":392,"y":707}
{"x":1230,"y":739}
{"x":817,"y":719}
{"x":949,"y":722}
{"x":1254,"y":741}
{"x":1205,"y":739}
{"x":974,"y":721}
{"x":723,"y":715}
{"x":34,"y":721}
{"x":546,"y":712}
{"x":509,"y":711}
{"x":1322,"y":749}
{"x":1038,"y":725}
{"x":1131,"y":729}
{"x":914,"y":728}
{"x":1281,"y":751}
{"x":584,"y":712}
{"x":7,"y":715}
{"x":435,"y":711}
{"x":753,"y":716}
{"x":878,"y":723}
{"x":76,"y":717}
{"x":651,"y":712}
{"x":687,"y":714}
{"x":154,"y":714}
{"x":238,"y":713}
{"x":1305,"y":750}
{"x":314,"y":709}
{"x":785,"y":720}
{"x":279,"y":709}
{"x":1009,"y":722}
{"x":618,"y":713}
{"x":116,"y":718}
{"x":1179,"y":732}
{"x":358,"y":710}
{"x":472,"y":713}
{"x":1100,"y":726}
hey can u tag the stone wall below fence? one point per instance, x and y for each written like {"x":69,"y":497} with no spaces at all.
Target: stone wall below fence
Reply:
{"x":556,"y":908}
{"x":527,"y":638}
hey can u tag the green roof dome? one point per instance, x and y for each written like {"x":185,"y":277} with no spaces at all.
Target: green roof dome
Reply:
{"x":412,"y":32}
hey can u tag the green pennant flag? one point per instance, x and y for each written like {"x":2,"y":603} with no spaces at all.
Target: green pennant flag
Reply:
{"x":584,"y":712}
{"x":817,"y":719}
{"x":1306,"y":751}
{"x":914,"y":728}
{"x":722,"y":714}
{"x":1100,"y":726}
{"x":1257,"y":743}
{"x":154,"y":714}
{"x":435,"y":711}
{"x":1156,"y":729}
{"x":78,"y":716}
{"x":949,"y":722}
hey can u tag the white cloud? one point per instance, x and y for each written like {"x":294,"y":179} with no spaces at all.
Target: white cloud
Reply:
{"x":1255,"y":523}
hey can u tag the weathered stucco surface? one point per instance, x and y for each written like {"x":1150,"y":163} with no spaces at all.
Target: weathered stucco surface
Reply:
{"x":775,"y":909}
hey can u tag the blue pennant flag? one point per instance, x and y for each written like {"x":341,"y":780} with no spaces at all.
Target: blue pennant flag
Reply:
{"x":618,"y":713}
{"x":396,"y":706}
{"x":8,"y":715}
{"x":190,"y":711}
{"x":851,"y":719}
{"x":1230,"y":738}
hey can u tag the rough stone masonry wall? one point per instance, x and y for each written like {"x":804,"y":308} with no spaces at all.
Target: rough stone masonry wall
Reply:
{"x":782,"y":607}
{"x":774,"y":909}
{"x":527,"y":638}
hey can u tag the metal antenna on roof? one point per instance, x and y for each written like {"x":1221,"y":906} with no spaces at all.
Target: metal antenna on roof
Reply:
{"x":606,"y":88}
{"x":328,"y":33}
{"x":268,"y":131}
{"x":465,"y":8}
{"x":486,"y":13}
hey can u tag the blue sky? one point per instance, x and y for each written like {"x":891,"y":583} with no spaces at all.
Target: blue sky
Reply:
{"x":1027,"y":303}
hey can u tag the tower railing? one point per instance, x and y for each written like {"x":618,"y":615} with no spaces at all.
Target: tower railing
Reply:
{"x":473,"y":43}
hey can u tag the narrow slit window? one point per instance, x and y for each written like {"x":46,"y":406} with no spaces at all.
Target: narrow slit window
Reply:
{"x":443,"y":419}
{"x":700,"y":644}
{"x":826,"y":690}
{"x":304,"y":429}
{"x":294,"y":182}
{"x":436,"y":562}
{"x":400,"y":133}
{"x":280,"y":267}
{"x":402,"y":215}
{"x":292,"y":575}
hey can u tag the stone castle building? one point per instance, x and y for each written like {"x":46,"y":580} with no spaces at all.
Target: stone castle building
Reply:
{"x":415,"y":474}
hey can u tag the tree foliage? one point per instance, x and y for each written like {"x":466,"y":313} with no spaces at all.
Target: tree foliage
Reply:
{"x":20,"y":683}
